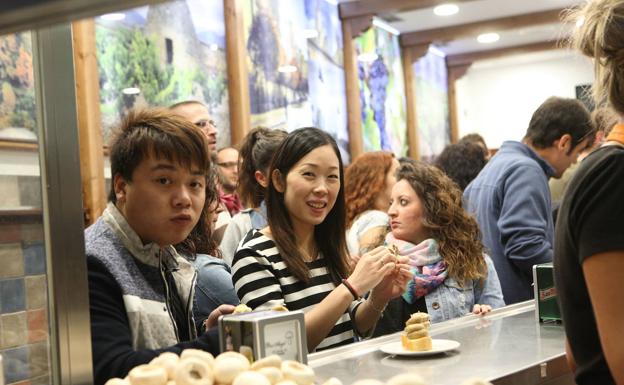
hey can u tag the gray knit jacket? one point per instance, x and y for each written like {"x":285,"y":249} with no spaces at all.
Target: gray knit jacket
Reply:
{"x":138,"y":270}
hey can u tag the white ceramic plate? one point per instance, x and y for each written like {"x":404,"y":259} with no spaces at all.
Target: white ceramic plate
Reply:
{"x":438,"y":346}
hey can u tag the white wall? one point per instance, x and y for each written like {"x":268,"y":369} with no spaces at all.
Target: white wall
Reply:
{"x":496,"y":98}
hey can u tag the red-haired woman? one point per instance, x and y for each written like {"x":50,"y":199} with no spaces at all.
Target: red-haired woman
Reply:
{"x":368,"y":183}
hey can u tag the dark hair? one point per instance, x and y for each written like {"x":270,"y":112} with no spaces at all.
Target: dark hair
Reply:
{"x":461,"y":162}
{"x":477,"y":139}
{"x":161,"y":133}
{"x":405,"y":159}
{"x":557,"y":117}
{"x":473,"y":138}
{"x":456,"y":232}
{"x":365,"y":179}
{"x":256,"y":151}
{"x":330,"y":234}
{"x":200,"y":240}
{"x":155,"y":132}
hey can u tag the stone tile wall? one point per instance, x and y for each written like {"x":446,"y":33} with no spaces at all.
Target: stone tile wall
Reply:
{"x":24,"y":327}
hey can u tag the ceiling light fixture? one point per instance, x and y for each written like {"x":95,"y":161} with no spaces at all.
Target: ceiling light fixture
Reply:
{"x":367,"y":57}
{"x":113,"y":16}
{"x":446,"y":9}
{"x":488,"y":38}
{"x":287,"y":69}
{"x":131,"y":91}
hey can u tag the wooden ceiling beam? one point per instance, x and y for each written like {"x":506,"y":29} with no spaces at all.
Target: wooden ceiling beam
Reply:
{"x":376,"y":7}
{"x":479,"y":27}
{"x":466,"y":59}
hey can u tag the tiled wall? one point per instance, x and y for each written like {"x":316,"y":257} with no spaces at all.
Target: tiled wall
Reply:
{"x":24,"y":328}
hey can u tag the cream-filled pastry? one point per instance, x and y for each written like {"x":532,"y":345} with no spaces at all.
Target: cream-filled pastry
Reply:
{"x":415,"y":336}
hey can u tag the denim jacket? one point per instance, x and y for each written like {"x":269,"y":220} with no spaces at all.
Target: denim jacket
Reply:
{"x":451,"y":300}
{"x":214,"y":287}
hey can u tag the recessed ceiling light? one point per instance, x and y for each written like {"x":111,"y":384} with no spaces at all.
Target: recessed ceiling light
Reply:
{"x":286,"y":69}
{"x":446,"y":9}
{"x":487,"y":38}
{"x":113,"y":16}
{"x":131,"y":91}
{"x":367,"y":57}
{"x":310,"y":33}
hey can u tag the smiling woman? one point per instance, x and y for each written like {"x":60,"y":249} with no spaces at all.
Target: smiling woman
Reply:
{"x":299,"y":260}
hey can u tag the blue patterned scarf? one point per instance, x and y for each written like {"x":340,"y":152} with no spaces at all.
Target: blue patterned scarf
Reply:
{"x":426,"y":264}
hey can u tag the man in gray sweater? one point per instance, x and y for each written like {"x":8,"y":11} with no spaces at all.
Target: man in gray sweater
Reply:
{"x":140,"y":288}
{"x":511,"y":199}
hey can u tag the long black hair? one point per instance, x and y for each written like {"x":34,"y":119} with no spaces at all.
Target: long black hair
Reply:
{"x":328,"y":235}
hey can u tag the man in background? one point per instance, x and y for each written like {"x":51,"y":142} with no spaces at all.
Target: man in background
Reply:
{"x":227,"y":171}
{"x":511,"y":199}
{"x":198,"y":114}
{"x":604,"y":120}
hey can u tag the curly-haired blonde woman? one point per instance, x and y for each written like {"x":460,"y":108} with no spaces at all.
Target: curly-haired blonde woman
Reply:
{"x":368,"y":183}
{"x":452,"y":275}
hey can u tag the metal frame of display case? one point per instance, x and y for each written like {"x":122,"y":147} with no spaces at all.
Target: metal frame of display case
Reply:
{"x":70,"y":338}
{"x":59,"y":159}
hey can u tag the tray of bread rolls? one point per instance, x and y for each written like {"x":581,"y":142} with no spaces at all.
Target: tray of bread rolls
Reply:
{"x":196,"y":367}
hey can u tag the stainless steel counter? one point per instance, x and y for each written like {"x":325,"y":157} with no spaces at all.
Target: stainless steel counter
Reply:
{"x":508,"y":346}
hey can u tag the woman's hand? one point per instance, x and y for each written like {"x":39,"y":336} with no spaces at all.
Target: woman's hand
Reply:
{"x":481,"y":309}
{"x":352,"y":261}
{"x":371,"y":269}
{"x":395,"y":283}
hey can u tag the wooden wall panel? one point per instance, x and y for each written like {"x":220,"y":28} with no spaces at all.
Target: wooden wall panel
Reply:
{"x":236,"y":59}
{"x":89,"y":120}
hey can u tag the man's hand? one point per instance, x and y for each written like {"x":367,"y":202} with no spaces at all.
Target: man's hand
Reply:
{"x":213,"y":318}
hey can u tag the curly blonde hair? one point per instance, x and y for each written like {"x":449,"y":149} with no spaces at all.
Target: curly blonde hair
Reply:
{"x":365,"y":179}
{"x":446,"y":221}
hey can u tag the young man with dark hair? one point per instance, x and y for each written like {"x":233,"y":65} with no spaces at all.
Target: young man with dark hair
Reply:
{"x":510,"y":196}
{"x":140,"y":288}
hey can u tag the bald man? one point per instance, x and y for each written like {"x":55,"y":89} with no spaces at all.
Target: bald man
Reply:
{"x":198,"y":114}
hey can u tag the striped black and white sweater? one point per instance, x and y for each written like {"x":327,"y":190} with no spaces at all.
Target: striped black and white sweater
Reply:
{"x":262,"y":280}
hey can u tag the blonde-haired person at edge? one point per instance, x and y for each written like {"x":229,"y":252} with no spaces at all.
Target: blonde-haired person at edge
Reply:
{"x":368,"y":183}
{"x":256,"y":152}
{"x":452,"y":275}
{"x":589,"y":246}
